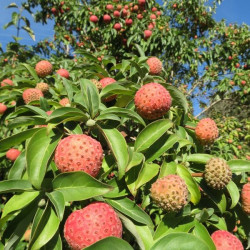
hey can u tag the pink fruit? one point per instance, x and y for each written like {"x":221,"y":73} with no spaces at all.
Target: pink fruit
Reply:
{"x":63,"y":73}
{"x":93,"y":19}
{"x":43,"y":68}
{"x":140,"y":16}
{"x":245,"y":198}
{"x":79,"y":153}
{"x":91,"y":224}
{"x":129,"y":22}
{"x":152,"y":101}
{"x":154,"y":9}
{"x":206,"y":131}
{"x":224,"y":240}
{"x":116,"y":13}
{"x":155,"y":66}
{"x":6,"y":82}
{"x":106,"y":18}
{"x":64,"y":102}
{"x":104,"y":82}
{"x":12,"y":154}
{"x":152,"y":16}
{"x":142,"y":2}
{"x":151,"y":26}
{"x":147,"y":34}
{"x":117,"y":26}
{"x":3,"y":108}
{"x":109,"y":7}
{"x":44,"y":87}
{"x":32,"y":94}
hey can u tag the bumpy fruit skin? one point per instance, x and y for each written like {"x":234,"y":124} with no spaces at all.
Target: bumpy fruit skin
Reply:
{"x":32,"y":94}
{"x":64,"y":102}
{"x":217,"y":173}
{"x":104,"y":82}
{"x":12,"y":154}
{"x":91,"y":224}
{"x":147,"y":34}
{"x":106,"y":18}
{"x":170,"y":193}
{"x":93,"y":19}
{"x":206,"y":131}
{"x":155,"y":66}
{"x":63,"y":73}
{"x":43,"y":68}
{"x":97,"y":84}
{"x":245,"y":198}
{"x":44,"y":87}
{"x":3,"y":108}
{"x":6,"y":82}
{"x":152,"y":101}
{"x":224,"y":240}
{"x":79,"y":153}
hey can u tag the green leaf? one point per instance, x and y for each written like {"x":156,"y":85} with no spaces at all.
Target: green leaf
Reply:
{"x":38,"y":153}
{"x":35,"y":110}
{"x":19,"y":201}
{"x":31,"y":71}
{"x":55,"y":243}
{"x":18,"y":167}
{"x":69,"y":89}
{"x":123,"y":112}
{"x":15,"y":18}
{"x":151,"y":133}
{"x":67,"y":114}
{"x":113,"y":243}
{"x":168,"y":168}
{"x":140,"y":50}
{"x":234,"y":193}
{"x":77,"y":186}
{"x":30,"y":32}
{"x":12,"y":5}
{"x":119,"y":148}
{"x":129,"y":208}
{"x":201,"y":232}
{"x":178,"y":98}
{"x":45,"y":229}
{"x":192,"y":186}
{"x":238,"y":165}
{"x":15,"y":186}
{"x":199,"y":158}
{"x":177,"y":241}
{"x":57,"y":200}
{"x":90,"y":96}
{"x":147,"y":173}
{"x":136,"y":159}
{"x":115,"y":89}
{"x":16,"y":139}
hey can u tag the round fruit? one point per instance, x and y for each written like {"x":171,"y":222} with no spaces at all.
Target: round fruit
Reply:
{"x":43,"y":68}
{"x":63,"y":73}
{"x":224,"y":240}
{"x":7,"y":82}
{"x":12,"y":154}
{"x":129,"y":22}
{"x":152,"y":16}
{"x":117,"y":26}
{"x":104,"y":82}
{"x":170,"y":193}
{"x":152,"y":101}
{"x":217,"y":173}
{"x":44,"y":87}
{"x":92,"y":223}
{"x":93,"y":19}
{"x":116,"y":13}
{"x":245,"y":198}
{"x":64,"y":102}
{"x":32,"y":94}
{"x":97,"y":84}
{"x":106,"y":18}
{"x":3,"y":108}
{"x":206,"y":131}
{"x":155,"y":66}
{"x":109,"y":7}
{"x":142,"y":2}
{"x":147,"y":34}
{"x":79,"y":153}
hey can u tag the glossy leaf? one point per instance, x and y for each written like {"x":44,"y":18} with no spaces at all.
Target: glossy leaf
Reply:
{"x":18,"y":167}
{"x":57,"y":200}
{"x":239,"y":165}
{"x":199,"y":158}
{"x":15,"y":186}
{"x":234,"y":193}
{"x":168,"y":168}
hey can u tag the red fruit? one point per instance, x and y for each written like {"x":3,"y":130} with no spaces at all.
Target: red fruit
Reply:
{"x":140,"y":16}
{"x":91,"y":224}
{"x":155,"y":66}
{"x":195,"y":37}
{"x":224,"y":240}
{"x":79,"y":153}
{"x":174,"y":5}
{"x":158,"y":13}
{"x":142,"y":2}
{"x":3,"y":108}
{"x":129,"y":22}
{"x":230,"y":58}
{"x":104,"y":82}
{"x":152,"y":101}
{"x":93,"y":19}
{"x":151,"y":26}
{"x":230,"y":141}
{"x":32,"y":94}
{"x":152,"y":16}
{"x":54,"y":10}
{"x":106,"y":18}
{"x":245,"y":198}
{"x":12,"y":154}
{"x":243,"y":82}
{"x":154,"y":9}
{"x":119,"y":7}
{"x":206,"y":131}
{"x":116,"y":13}
{"x":6,"y":82}
{"x":44,"y":87}
{"x":117,"y":26}
{"x":64,"y":102}
{"x":62,"y":3}
{"x":109,"y":7}
{"x":147,"y":34}
{"x":126,"y":7}
{"x":63,"y":73}
{"x":231,"y":83}
{"x":237,"y":65}
{"x":43,"y":68}
{"x":124,"y":13}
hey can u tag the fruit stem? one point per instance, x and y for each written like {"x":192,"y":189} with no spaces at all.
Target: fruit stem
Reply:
{"x":189,"y":127}
{"x":197,"y":174}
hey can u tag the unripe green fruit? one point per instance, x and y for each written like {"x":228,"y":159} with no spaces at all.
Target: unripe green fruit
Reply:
{"x":90,"y":123}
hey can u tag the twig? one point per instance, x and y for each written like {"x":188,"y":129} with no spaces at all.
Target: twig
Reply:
{"x":197,"y":174}
{"x":189,"y":127}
